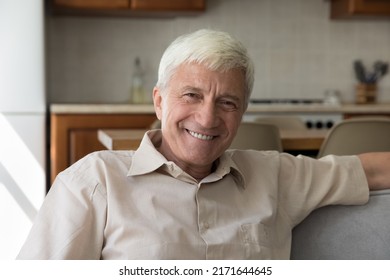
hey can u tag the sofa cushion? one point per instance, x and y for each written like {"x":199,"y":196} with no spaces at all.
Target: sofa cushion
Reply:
{"x":345,"y":232}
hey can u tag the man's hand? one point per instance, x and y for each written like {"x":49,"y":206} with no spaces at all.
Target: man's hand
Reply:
{"x":377,"y":169}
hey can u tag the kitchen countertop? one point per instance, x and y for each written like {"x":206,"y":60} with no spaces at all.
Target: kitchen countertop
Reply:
{"x":292,"y":140}
{"x":252,"y":108}
{"x":101,"y":109}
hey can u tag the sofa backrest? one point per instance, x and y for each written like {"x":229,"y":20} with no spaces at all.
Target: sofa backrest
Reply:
{"x":345,"y":232}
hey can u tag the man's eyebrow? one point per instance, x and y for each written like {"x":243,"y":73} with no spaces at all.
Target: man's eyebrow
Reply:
{"x":224,"y":95}
{"x":231,"y":96}
{"x":191,"y":88}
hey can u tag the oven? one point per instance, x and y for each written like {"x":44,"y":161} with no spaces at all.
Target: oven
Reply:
{"x":313,"y":112}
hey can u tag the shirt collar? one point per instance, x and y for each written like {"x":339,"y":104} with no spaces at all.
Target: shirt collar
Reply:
{"x":147,"y":159}
{"x":226,"y":165}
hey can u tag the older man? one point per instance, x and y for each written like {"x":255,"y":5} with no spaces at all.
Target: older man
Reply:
{"x":182,"y":194}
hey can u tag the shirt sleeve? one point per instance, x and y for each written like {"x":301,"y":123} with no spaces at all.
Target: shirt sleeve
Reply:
{"x":306,"y":184}
{"x":70,"y":223}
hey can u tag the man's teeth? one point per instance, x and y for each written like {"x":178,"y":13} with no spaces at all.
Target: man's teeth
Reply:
{"x":200,"y":136}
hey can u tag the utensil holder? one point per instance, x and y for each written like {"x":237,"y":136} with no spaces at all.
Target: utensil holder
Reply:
{"x":366,"y":93}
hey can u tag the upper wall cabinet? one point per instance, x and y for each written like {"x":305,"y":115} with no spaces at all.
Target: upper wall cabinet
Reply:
{"x":91,"y":4}
{"x":128,"y":7}
{"x":359,"y":8}
{"x":167,"y":5}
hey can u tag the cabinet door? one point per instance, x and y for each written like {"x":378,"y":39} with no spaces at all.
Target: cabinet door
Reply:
{"x":356,"y":8}
{"x":127,"y":7}
{"x":374,"y":7}
{"x":83,"y":142}
{"x":167,"y":5}
{"x":73,"y":136}
{"x":92,"y":4}
{"x":359,"y":115}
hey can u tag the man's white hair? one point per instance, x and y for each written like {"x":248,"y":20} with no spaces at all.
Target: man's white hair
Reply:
{"x":216,"y":50}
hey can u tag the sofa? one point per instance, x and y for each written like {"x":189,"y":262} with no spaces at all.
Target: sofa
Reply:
{"x":345,"y":232}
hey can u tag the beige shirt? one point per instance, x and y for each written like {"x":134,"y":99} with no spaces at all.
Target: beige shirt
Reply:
{"x":138,"y":205}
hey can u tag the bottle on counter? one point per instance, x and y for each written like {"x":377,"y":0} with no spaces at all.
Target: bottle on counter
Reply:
{"x":137,"y":91}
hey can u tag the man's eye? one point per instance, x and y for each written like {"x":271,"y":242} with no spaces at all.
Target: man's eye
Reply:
{"x":229,"y":105}
{"x":191,"y":96}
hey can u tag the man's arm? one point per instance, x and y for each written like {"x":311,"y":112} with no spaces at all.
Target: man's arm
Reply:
{"x":377,"y":169}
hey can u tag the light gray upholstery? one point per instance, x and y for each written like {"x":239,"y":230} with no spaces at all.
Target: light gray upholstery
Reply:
{"x":357,"y":135}
{"x":346,"y":232}
{"x":284,"y":122}
{"x":257,"y":136}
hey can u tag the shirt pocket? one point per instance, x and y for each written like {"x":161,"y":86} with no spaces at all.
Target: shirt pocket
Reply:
{"x":258,"y":234}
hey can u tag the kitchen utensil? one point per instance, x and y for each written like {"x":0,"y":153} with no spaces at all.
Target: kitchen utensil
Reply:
{"x":360,"y":71}
{"x":380,"y":69}
{"x":384,"y":69}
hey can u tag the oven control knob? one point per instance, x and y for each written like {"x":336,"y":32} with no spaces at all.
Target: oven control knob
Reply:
{"x":309,"y":124}
{"x":319,"y":124}
{"x":329,"y":124}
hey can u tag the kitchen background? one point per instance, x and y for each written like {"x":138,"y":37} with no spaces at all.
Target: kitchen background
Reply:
{"x":299,"y":52}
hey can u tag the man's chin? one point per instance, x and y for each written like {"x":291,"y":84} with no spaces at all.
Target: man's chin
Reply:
{"x":205,"y":158}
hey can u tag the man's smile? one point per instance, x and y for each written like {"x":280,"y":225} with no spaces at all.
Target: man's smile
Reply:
{"x":200,"y":136}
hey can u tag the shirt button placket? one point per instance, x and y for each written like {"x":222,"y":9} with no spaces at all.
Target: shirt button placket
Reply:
{"x":205,"y":220}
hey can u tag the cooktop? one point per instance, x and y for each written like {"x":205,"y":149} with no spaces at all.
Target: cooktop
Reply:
{"x":291,"y":101}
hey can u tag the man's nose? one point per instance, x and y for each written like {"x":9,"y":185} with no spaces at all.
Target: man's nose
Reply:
{"x":208,"y":115}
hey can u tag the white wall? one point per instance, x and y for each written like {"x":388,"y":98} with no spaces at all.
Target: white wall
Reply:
{"x":22,"y":121}
{"x":298,"y":51}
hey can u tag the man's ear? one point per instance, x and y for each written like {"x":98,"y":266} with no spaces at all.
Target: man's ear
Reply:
{"x":157,"y":102}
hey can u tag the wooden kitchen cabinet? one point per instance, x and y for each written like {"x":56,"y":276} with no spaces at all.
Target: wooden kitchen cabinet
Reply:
{"x":359,"y":115}
{"x":72,"y":136}
{"x":92,"y":4}
{"x":359,"y":8}
{"x":127,"y":7}
{"x":169,"y":5}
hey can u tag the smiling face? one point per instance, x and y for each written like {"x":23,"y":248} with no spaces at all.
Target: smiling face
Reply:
{"x":200,"y":111}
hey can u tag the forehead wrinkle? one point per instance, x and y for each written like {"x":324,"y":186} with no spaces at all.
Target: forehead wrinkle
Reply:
{"x":218,"y":95}
{"x":191,"y":88}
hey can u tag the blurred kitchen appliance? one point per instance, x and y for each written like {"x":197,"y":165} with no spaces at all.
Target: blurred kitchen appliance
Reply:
{"x":22,"y":120}
{"x":312,"y":119}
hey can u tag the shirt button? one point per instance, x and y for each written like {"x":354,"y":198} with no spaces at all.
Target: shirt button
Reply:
{"x":206,"y":225}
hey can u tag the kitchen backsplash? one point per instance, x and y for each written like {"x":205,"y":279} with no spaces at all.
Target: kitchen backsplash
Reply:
{"x":298,"y":51}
